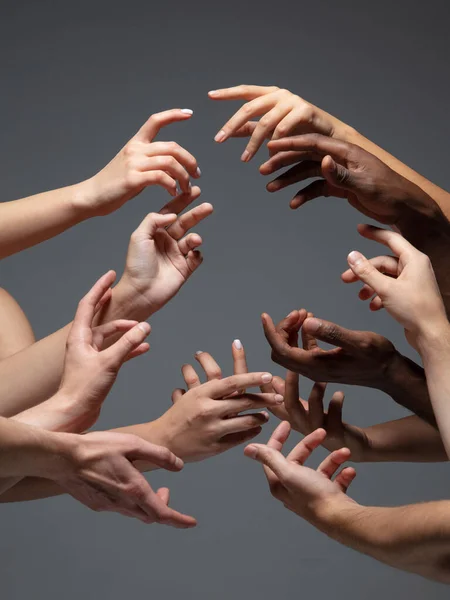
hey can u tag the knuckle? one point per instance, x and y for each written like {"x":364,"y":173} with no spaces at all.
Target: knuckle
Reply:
{"x":215,"y":373}
{"x":264,"y":121}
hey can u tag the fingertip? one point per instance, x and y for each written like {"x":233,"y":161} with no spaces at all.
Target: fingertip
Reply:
{"x":251,"y":451}
{"x":312,"y":325}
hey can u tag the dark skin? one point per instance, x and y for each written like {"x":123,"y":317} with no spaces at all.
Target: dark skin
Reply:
{"x":360,"y":358}
{"x":369,"y":185}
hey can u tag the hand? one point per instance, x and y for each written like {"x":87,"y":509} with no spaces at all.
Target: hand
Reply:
{"x":307,"y":416}
{"x":346,"y":171}
{"x":142,"y":163}
{"x":97,"y":469}
{"x":90,"y":369}
{"x":410,"y":293}
{"x":161,"y":257}
{"x":360,"y":357}
{"x":302,"y":490}
{"x":282,"y":113}
{"x":205,"y":420}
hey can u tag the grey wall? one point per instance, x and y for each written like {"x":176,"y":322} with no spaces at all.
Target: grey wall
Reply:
{"x":76,"y":81}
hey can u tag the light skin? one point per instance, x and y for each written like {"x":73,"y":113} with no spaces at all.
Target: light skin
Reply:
{"x":282,"y":113}
{"x":142,"y":162}
{"x":359,"y":358}
{"x":203,"y":421}
{"x":410,"y":294}
{"x":159,"y":262}
{"x":413,"y":538}
{"x":97,"y":469}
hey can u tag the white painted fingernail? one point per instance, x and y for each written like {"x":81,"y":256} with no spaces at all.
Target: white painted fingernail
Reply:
{"x":279,"y":399}
{"x":266,"y":378}
{"x":237,"y":344}
{"x":198,"y":352}
{"x":198,"y":172}
{"x":187,"y":111}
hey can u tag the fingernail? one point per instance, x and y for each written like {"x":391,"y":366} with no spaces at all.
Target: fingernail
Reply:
{"x":198,"y":172}
{"x":237,"y":344}
{"x":179,"y":463}
{"x":245,"y":156}
{"x":212,"y":92}
{"x":313,"y":325}
{"x":198,"y":352}
{"x":251,"y":451}
{"x":279,"y":399}
{"x":266,"y":378}
{"x":265,"y":415}
{"x":355,"y":257}
{"x":273,"y":186}
{"x":220,"y":136}
{"x":145,"y":327}
{"x":187,"y":111}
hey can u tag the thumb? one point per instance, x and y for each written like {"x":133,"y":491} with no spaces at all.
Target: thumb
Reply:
{"x":132,"y":339}
{"x":367,"y":273}
{"x":337,"y":175}
{"x":271,"y":458}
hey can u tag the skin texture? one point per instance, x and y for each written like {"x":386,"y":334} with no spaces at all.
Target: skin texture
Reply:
{"x":413,"y":538}
{"x":16,"y":333}
{"x":97,"y":469}
{"x":141,"y":163}
{"x":283,"y":114}
{"x":347,"y":171}
{"x":34,"y":374}
{"x":203,"y":421}
{"x":410,"y":294}
{"x":359,"y":358}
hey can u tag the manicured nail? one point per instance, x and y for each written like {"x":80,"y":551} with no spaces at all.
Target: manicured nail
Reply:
{"x":220,"y":136}
{"x":212,"y":92}
{"x":187,"y":111}
{"x":198,"y":352}
{"x":198,"y":172}
{"x":266,"y":377}
{"x":144,"y":327}
{"x":237,"y":344}
{"x":179,"y":464}
{"x":251,"y":451}
{"x":245,"y":156}
{"x":279,"y":399}
{"x":355,"y":257}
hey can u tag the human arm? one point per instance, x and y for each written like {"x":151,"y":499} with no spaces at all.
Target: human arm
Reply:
{"x":414,"y":538}
{"x":34,"y":374}
{"x":139,"y":164}
{"x":286,"y":114}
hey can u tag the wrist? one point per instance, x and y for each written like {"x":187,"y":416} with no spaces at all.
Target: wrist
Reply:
{"x":333,"y":513}
{"x":434,"y":339}
{"x":127,"y":302}
{"x":82,"y":199}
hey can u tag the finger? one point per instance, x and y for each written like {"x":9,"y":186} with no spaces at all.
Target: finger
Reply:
{"x":189,"y":242}
{"x":304,"y":449}
{"x":277,"y":341}
{"x":235,"y":439}
{"x":224,"y":387}
{"x":139,"y":351}
{"x":367,"y":273}
{"x":82,"y":323}
{"x":152,"y":126}
{"x":298,"y":119}
{"x":317,"y":189}
{"x":245,"y":401}
{"x":190,"y":376}
{"x":270,"y":458}
{"x":296,"y":411}
{"x":334,"y":417}
{"x":180,"y":202}
{"x":170,"y":166}
{"x":312,"y":142}
{"x":366,"y":292}
{"x":164,"y":494}
{"x":153,"y":222}
{"x":286,"y":159}
{"x":246,"y":130}
{"x":157,"y":177}
{"x":277,"y":440}
{"x":395,"y":241}
{"x":334,"y":334}
{"x":309,"y":342}
{"x":177,"y":394}
{"x":279,"y":385}
{"x":188,"y":220}
{"x":102,"y":332}
{"x":243,"y":423}
{"x":118,"y":352}
{"x":345,"y":478}
{"x":239,"y":358}
{"x":103,"y":300}
{"x":158,"y":510}
{"x":209,"y":365}
{"x":241,"y":92}
{"x":315,"y":403}
{"x":337,"y":175}
{"x":385,"y":264}
{"x":333,"y":461}
{"x":185,"y":158}
{"x":305,"y":170}
{"x":265,"y":128}
{"x":194,"y":259}
{"x":157,"y":455}
{"x":376,"y":304}
{"x":251,"y":109}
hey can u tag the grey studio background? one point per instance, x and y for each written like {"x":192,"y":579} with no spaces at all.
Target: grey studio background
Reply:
{"x":77,"y":80}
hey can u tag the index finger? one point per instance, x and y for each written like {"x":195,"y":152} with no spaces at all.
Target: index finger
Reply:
{"x":239,"y":358}
{"x":277,"y":440}
{"x":88,"y":304}
{"x":220,"y":388}
{"x":395,"y":241}
{"x":312,"y":142}
{"x":242,"y":92}
{"x":151,"y":127}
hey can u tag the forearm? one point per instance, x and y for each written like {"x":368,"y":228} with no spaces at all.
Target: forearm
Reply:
{"x":29,"y":221}
{"x":410,"y":439}
{"x":405,"y":382}
{"x":413,"y":538}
